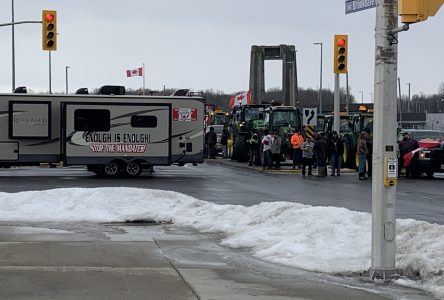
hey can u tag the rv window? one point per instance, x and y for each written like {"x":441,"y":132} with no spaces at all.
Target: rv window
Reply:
{"x":91,"y":120}
{"x":144,"y":121}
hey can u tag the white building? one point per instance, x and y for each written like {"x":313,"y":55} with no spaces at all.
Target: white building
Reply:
{"x":435,"y":121}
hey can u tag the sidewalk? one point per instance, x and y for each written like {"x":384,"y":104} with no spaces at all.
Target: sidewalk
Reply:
{"x":148,"y":261}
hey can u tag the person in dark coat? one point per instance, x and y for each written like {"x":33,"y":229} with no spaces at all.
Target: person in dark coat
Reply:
{"x":253,"y":142}
{"x":224,"y":141}
{"x":211,"y":140}
{"x":369,"y":144}
{"x":320,"y":151}
{"x":405,"y":146}
{"x":336,"y":149}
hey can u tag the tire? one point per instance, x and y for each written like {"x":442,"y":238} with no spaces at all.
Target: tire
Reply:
{"x":242,"y":148}
{"x":111,"y":169}
{"x":133,"y":169}
{"x":430,"y":174}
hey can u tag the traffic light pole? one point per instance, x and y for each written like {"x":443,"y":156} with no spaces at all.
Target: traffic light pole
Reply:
{"x":50,"y":84}
{"x":336,"y":105}
{"x":384,"y":144}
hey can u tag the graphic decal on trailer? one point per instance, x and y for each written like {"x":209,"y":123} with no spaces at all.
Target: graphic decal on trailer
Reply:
{"x":184,"y":114}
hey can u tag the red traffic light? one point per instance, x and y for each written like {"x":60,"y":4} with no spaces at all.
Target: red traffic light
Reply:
{"x":49,"y":17}
{"x":341,"y":42}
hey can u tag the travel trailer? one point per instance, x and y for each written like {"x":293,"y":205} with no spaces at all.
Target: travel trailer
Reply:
{"x":112,"y":135}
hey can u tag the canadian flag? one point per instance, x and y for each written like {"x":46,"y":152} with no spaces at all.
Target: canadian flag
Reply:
{"x":240,"y":99}
{"x":134,"y":72}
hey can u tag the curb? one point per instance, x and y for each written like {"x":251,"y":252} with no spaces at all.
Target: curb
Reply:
{"x":285,"y":168}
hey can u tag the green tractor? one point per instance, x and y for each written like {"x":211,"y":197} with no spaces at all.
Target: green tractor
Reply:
{"x":244,"y":120}
{"x":283,"y":120}
{"x":350,"y":128}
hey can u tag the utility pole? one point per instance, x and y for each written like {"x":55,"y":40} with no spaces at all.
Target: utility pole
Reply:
{"x":384,"y":144}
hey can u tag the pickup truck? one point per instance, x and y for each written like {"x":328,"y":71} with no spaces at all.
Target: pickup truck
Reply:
{"x":429,"y":158}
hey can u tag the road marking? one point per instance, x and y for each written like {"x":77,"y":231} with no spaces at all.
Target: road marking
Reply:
{"x":402,"y":194}
{"x":428,"y":198}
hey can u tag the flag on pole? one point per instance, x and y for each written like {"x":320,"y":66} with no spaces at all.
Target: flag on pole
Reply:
{"x":134,"y":72}
{"x":241,"y":99}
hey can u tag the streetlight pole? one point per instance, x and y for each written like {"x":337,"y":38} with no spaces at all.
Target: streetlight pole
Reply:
{"x":66,"y":78}
{"x":320,"y":83}
{"x":408,"y":103}
{"x":13,"y":47}
{"x":362,"y":97}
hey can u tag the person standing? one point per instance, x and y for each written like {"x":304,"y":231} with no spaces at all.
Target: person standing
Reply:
{"x":369,"y":144}
{"x":405,"y":146}
{"x":225,"y":135}
{"x":266,"y":149}
{"x":320,"y":151}
{"x":296,"y":141}
{"x":362,"y":152}
{"x":230,"y":141}
{"x":336,"y":149}
{"x":254,"y":148}
{"x":276,"y":151}
{"x":211,"y":138}
{"x":307,"y":155}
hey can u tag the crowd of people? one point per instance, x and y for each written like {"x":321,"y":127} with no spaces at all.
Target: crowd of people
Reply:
{"x":307,"y":153}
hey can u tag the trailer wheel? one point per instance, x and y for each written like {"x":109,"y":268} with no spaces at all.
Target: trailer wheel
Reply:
{"x":133,"y":169}
{"x":111,"y":169}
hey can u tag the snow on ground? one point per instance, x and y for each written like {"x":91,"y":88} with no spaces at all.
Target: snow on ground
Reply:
{"x":322,"y":239}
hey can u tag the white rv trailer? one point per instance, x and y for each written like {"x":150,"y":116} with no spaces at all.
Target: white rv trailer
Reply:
{"x":110,"y":134}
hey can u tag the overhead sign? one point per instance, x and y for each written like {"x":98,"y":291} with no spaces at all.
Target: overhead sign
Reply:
{"x":310,"y":116}
{"x":352,"y":6}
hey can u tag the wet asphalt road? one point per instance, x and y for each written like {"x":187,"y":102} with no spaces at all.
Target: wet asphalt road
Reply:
{"x":421,"y":199}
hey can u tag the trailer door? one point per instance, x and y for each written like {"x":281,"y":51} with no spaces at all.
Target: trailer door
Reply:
{"x":96,"y":133}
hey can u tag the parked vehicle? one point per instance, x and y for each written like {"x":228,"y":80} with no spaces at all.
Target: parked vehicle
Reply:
{"x":429,"y":158}
{"x":111,"y":135}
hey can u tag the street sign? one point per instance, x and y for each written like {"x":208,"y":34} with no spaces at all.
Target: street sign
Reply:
{"x":310,"y":116}
{"x":352,"y":6}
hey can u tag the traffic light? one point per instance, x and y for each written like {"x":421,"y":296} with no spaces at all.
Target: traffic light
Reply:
{"x":49,"y":30}
{"x":340,"y":59}
{"x":412,"y":11}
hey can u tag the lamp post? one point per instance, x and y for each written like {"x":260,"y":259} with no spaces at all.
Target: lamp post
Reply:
{"x":408,"y":103}
{"x":66,"y":78}
{"x":362,"y":97}
{"x":320,"y":83}
{"x":13,"y":47}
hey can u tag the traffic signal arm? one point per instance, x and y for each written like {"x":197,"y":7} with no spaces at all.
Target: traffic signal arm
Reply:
{"x":413,"y":11}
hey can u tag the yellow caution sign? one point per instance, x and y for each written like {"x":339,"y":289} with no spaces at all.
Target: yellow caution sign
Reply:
{"x":310,"y":131}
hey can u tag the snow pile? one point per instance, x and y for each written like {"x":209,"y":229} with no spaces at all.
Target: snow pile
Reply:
{"x":323,"y":239}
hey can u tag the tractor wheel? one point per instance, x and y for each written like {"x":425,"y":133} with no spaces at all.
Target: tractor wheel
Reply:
{"x":242,"y":148}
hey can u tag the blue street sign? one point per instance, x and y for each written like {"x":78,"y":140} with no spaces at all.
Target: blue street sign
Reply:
{"x":352,"y":6}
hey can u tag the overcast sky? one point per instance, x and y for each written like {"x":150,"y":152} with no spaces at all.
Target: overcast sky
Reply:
{"x":204,"y":44}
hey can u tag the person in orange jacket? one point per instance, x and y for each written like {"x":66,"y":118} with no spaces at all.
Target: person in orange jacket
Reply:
{"x":296,"y":141}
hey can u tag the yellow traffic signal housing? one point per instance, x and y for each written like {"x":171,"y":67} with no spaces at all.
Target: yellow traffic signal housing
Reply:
{"x":49,"y":30}
{"x":412,"y":11}
{"x":340,"y":59}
